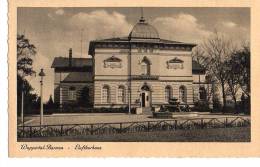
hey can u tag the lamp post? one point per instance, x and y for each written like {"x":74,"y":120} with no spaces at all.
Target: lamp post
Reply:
{"x":22,"y":105}
{"x":22,"y":115}
{"x":129,"y":77}
{"x":41,"y":74}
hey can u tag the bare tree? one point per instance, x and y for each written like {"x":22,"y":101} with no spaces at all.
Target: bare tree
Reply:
{"x":198,"y":55}
{"x":243,"y":70}
{"x":218,"y":49}
{"x":238,"y":76}
{"x":232,"y":78}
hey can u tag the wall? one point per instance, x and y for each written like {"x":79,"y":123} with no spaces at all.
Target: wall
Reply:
{"x":63,"y":80}
{"x":102,"y":54}
{"x":158,"y":61}
{"x":113,"y":86}
{"x":63,"y":93}
{"x":157,"y":91}
{"x":113,"y":77}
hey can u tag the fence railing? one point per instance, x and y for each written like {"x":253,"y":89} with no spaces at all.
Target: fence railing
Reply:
{"x":129,"y":127}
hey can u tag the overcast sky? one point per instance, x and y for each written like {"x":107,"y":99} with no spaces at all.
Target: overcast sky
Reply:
{"x":54,"y":30}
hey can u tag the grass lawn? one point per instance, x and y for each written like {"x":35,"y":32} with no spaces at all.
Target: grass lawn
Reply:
{"x":19,"y":120}
{"x":235,"y":134}
{"x":90,"y":118}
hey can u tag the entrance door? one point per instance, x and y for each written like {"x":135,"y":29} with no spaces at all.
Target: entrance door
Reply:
{"x":145,"y":96}
{"x":145,"y":99}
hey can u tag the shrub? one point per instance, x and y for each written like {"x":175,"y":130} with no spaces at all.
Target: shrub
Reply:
{"x":201,"y":106}
{"x":244,"y":107}
{"x":216,"y":105}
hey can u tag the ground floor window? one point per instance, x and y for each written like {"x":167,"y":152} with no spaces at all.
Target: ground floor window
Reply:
{"x":72,"y":93}
{"x":168,"y":93}
{"x":121,"y":94}
{"x":105,"y":94}
{"x":202,"y":93}
{"x":182,"y":94}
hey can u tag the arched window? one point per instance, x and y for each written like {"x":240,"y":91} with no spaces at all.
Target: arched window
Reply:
{"x":202,"y":93}
{"x":145,"y":66}
{"x":168,"y":93}
{"x":182,"y":94}
{"x":106,"y":94}
{"x":72,"y":93}
{"x":121,"y":94}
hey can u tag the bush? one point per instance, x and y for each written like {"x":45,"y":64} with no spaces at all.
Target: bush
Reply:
{"x":248,"y":106}
{"x":74,"y":108}
{"x":217,"y":107}
{"x":244,"y":107}
{"x":201,"y":106}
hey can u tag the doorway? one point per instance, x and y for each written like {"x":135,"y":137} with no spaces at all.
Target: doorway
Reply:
{"x":145,"y":96}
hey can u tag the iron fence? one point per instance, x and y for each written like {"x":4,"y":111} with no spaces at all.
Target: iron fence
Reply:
{"x":129,"y":127}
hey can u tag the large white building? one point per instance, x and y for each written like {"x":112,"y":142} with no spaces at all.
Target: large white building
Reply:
{"x":141,"y":69}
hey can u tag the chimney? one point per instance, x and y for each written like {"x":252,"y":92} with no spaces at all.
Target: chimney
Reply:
{"x":70,"y":57}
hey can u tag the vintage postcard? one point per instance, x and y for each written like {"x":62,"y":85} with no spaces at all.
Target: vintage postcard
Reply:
{"x":143,"y":79}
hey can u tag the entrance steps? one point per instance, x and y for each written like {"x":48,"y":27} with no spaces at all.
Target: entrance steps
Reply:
{"x":147,"y":110}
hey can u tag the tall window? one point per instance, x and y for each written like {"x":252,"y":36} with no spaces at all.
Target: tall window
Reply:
{"x":105,"y":94}
{"x":182,"y":94}
{"x":145,"y":65}
{"x":168,"y":93}
{"x":72,"y":93}
{"x":121,"y":94}
{"x":202,"y":93}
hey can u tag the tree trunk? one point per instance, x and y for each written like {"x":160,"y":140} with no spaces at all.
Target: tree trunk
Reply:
{"x":223,"y":96}
{"x":235,"y":100}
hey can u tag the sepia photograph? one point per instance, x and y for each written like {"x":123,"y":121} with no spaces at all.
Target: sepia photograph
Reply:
{"x":133,"y":74}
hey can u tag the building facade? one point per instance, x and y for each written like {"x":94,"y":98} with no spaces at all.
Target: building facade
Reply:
{"x":73,"y":81}
{"x":139,"y":70}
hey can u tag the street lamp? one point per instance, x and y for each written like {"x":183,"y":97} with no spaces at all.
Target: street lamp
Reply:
{"x":22,"y":105}
{"x":41,"y":74}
